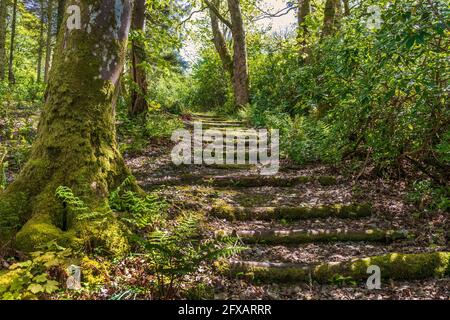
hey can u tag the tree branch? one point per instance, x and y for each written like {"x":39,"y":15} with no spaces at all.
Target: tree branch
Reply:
{"x":217,"y":13}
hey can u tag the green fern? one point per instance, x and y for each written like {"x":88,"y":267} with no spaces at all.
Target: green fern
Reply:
{"x":180,"y":251}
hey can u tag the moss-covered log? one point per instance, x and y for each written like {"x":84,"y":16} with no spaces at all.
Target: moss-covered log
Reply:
{"x":229,"y":212}
{"x":76,"y":143}
{"x":244,"y":181}
{"x":274,"y":237}
{"x":396,"y":266}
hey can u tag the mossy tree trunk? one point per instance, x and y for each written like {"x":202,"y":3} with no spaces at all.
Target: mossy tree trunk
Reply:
{"x":329,"y":17}
{"x":219,"y":41}
{"x":48,"y":43}
{"x":240,"y":66}
{"x":41,"y":41}
{"x":3,"y":16}
{"x":346,"y":7}
{"x":60,"y":16}
{"x":11,"y":77}
{"x":138,"y":73}
{"x":304,"y":10}
{"x":76,"y":143}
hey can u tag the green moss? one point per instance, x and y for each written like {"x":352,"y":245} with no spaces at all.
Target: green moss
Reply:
{"x":94,"y":272}
{"x":295,"y":237}
{"x":40,"y":230}
{"x":108,"y":238}
{"x":75,"y":144}
{"x":226,"y":211}
{"x":327,"y":180}
{"x":394,"y":266}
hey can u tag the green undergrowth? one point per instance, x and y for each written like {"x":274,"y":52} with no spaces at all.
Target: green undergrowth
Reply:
{"x":136,"y":132}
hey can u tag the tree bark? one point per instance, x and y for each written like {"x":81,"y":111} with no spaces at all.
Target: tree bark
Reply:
{"x":48,"y":44}
{"x":41,"y":42}
{"x":11,"y":76}
{"x":329,"y":18}
{"x":76,"y":142}
{"x":240,"y":68}
{"x":138,"y":73}
{"x":60,"y":17}
{"x":304,"y":10}
{"x":219,"y":41}
{"x":3,"y":16}
{"x":346,"y":8}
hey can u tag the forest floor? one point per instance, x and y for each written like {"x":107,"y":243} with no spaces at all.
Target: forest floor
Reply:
{"x":223,"y":192}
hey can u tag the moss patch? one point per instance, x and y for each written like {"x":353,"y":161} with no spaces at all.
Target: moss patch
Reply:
{"x":275,"y":237}
{"x":226,"y":211}
{"x":394,"y":266}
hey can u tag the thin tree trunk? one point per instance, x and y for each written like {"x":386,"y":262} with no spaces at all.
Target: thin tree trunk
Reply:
{"x":240,"y":68}
{"x":304,"y":10}
{"x":41,"y":42}
{"x":76,"y":142}
{"x":329,"y":18}
{"x":346,"y":7}
{"x":3,"y":16}
{"x":138,"y":73}
{"x":48,"y":44}
{"x":11,"y":76}
{"x":219,"y":41}
{"x":60,"y":17}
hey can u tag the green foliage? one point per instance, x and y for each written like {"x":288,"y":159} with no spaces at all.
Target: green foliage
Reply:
{"x":143,"y":212}
{"x":32,"y":278}
{"x":210,"y":89}
{"x":137,"y":132}
{"x":75,"y":207}
{"x":381,"y":92}
{"x":179,"y":251}
{"x":425,"y":195}
{"x":159,"y":125}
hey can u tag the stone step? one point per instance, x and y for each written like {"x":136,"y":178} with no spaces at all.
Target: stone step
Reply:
{"x":291,"y":237}
{"x":395,"y":266}
{"x":238,"y":181}
{"x":229,"y":212}
{"x":218,"y":123}
{"x":206,"y":116}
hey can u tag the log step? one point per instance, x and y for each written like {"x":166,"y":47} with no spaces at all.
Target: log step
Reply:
{"x":291,"y":237}
{"x":242,"y":182}
{"x":395,"y":266}
{"x":231,"y":213}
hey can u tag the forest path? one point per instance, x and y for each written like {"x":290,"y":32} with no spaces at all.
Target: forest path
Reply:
{"x":297,"y":220}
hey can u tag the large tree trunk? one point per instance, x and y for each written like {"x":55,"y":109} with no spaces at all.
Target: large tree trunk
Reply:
{"x":3,"y":16}
{"x":41,"y":42}
{"x":138,"y":73}
{"x":329,"y":17}
{"x":219,"y":41}
{"x":76,"y":142}
{"x":48,"y":44}
{"x":11,"y":76}
{"x":240,"y":68}
{"x":304,"y":10}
